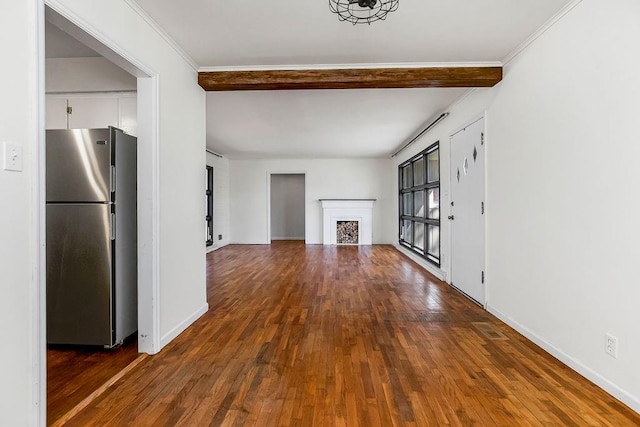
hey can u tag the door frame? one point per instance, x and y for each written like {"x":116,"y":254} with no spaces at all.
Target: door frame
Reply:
{"x":468,"y":123}
{"x":306,"y":216}
{"x":148,"y":191}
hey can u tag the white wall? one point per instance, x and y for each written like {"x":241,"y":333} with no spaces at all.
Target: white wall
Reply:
{"x":325,"y":179}
{"x":181,"y":161}
{"x":18,"y":238}
{"x":287,"y":207}
{"x":86,"y":75}
{"x":220,"y":200}
{"x":562,"y":211}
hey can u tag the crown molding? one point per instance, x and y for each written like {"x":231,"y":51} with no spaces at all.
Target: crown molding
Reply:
{"x":162,"y":33}
{"x":543,"y":29}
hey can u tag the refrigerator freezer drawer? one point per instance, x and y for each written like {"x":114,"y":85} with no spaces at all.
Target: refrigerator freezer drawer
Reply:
{"x":79,"y":274}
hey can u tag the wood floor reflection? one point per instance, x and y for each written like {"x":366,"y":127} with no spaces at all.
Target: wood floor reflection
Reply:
{"x":75,"y":372}
{"x":313,"y":335}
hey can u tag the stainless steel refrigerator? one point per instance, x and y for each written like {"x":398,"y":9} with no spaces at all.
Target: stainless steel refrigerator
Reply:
{"x":91,"y":236}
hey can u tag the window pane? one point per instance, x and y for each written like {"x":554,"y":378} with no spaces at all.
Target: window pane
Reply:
{"x":433,"y":196}
{"x":434,"y":240}
{"x":419,"y":235}
{"x":407,"y":204}
{"x":418,"y":172}
{"x":433,"y":166}
{"x":406,"y":176}
{"x":418,"y":203}
{"x":408,"y":232}
{"x":421,"y":204}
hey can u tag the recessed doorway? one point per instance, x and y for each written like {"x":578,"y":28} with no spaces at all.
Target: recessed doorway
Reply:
{"x":287,"y":206}
{"x":71,"y":374}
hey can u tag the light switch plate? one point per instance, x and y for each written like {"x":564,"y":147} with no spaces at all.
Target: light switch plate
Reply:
{"x":12,"y":154}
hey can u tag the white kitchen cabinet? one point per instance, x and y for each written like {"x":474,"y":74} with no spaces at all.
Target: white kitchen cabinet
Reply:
{"x":56,"y":112}
{"x":90,"y":111}
{"x":128,"y":115}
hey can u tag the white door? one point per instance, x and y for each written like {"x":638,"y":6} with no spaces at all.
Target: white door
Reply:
{"x":467,"y":210}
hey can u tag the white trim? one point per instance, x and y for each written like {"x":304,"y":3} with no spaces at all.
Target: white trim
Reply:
{"x":268,"y":242}
{"x":182,"y":326}
{"x":287,"y":238}
{"x":438,"y":273}
{"x":38,"y":305}
{"x":97,"y":94}
{"x":149,"y":297}
{"x":543,"y":29}
{"x":608,"y":386}
{"x":162,"y":33}
{"x":360,"y":66}
{"x":487,"y":213}
{"x":216,"y":247}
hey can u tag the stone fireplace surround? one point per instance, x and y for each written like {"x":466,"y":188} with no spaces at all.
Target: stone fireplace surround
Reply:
{"x":334,"y":210}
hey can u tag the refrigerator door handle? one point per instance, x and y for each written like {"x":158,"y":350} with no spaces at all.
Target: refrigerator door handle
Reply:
{"x":113,"y":226}
{"x":112,"y":181}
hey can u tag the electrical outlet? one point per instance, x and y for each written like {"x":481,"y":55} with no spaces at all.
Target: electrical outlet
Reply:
{"x":611,"y":345}
{"x":12,"y":156}
{"x":219,"y":236}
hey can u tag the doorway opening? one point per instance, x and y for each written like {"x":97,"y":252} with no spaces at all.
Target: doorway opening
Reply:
{"x":287,"y":206}
{"x":91,"y":82}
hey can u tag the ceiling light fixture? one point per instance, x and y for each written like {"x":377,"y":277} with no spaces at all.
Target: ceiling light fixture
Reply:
{"x":362,"y":11}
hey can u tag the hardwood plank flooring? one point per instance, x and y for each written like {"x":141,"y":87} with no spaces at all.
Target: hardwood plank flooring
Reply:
{"x":75,"y":372}
{"x":343,"y":336}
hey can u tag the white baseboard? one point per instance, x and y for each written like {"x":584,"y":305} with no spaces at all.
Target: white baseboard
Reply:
{"x":422,"y":262}
{"x":628,"y":399}
{"x":169,"y":336}
{"x":215,"y":247}
{"x":287,"y":238}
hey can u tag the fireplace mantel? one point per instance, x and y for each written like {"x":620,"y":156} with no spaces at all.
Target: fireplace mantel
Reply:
{"x":334,"y":210}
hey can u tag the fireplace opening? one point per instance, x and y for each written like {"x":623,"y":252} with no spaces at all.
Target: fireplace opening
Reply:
{"x":347,"y":232}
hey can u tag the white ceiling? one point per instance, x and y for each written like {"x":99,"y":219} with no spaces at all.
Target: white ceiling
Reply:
{"x":285,"y":32}
{"x":254,"y":34}
{"x":319,"y":123}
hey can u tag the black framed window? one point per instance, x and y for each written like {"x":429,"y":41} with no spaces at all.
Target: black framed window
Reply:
{"x":419,"y":202}
{"x":209,"y":206}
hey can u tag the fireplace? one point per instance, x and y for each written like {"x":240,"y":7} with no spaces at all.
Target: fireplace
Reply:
{"x":347,"y":232}
{"x":347,"y":221}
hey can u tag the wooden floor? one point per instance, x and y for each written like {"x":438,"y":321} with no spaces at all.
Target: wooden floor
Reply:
{"x":313,"y":335}
{"x":75,"y":372}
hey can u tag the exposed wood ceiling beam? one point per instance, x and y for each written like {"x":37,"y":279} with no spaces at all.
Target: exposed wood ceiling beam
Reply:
{"x":366,"y":78}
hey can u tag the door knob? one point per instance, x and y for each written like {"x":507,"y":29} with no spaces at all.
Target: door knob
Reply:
{"x":450,"y":217}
